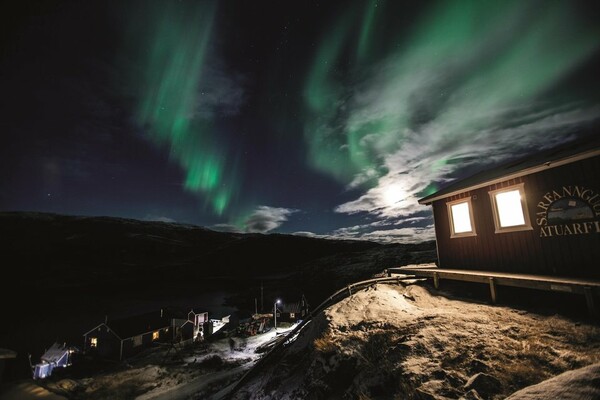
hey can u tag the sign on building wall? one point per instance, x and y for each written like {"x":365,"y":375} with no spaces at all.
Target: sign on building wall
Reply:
{"x":569,"y":210}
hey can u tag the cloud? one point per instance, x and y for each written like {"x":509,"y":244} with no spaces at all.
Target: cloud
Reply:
{"x":264,"y":219}
{"x":427,"y":157}
{"x":426,"y":114}
{"x":408,"y":234}
{"x":221,"y":92}
{"x":402,"y":235}
{"x":389,"y":230}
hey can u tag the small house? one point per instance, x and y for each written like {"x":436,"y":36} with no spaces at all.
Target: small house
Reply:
{"x":292,"y":312}
{"x":194,"y":328}
{"x":122,"y":338}
{"x":539,"y":215}
{"x":57,"y":356}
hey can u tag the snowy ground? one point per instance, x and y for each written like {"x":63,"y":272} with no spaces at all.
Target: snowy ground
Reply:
{"x":410,"y":342}
{"x":191,"y":373}
{"x":406,"y":341}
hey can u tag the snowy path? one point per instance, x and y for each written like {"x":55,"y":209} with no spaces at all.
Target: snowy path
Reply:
{"x":187,"y":389}
{"x":28,"y":391}
{"x":245,"y":350}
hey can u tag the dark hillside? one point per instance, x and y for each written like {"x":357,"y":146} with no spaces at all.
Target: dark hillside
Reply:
{"x":67,"y":248}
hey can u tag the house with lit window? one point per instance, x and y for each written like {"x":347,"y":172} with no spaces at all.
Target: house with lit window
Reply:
{"x":121,"y":338}
{"x":194,"y":328}
{"x":539,"y":215}
{"x":292,"y":312}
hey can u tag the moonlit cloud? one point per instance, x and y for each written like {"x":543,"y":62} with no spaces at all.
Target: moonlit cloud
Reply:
{"x":418,"y":163}
{"x":408,"y":234}
{"x":403,"y":235}
{"x":264,"y":219}
{"x":472,"y":86}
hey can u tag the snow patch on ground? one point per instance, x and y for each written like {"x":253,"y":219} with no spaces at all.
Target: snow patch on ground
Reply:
{"x":580,"y":384}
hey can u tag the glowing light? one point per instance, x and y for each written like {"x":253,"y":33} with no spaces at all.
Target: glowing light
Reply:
{"x":393,"y":195}
{"x":510,"y":210}
{"x":461,"y":218}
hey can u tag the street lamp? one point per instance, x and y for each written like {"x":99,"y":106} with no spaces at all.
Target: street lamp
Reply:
{"x":275,"y":312}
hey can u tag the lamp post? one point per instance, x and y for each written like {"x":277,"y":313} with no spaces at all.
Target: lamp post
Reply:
{"x":275,"y":313}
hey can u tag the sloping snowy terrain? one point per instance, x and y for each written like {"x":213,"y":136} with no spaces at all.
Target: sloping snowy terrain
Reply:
{"x":407,"y":342}
{"x":580,"y":384}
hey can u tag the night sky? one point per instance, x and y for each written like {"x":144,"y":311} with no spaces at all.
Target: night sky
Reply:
{"x":311,"y":117}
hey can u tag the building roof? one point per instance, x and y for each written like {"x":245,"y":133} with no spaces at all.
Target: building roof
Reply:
{"x":6,"y":353}
{"x":139,"y":324}
{"x":54,"y":353}
{"x":585,"y":147}
{"x":291,"y":307}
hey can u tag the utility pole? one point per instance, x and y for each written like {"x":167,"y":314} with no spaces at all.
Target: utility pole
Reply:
{"x":255,"y":306}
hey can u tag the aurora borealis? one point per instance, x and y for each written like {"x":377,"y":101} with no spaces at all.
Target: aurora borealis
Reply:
{"x":170,"y":104}
{"x":313,"y":118}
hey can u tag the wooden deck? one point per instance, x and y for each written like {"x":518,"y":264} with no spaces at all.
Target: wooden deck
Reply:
{"x":587,"y":287}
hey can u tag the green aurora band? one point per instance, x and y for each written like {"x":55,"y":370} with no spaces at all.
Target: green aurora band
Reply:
{"x":459,"y":68}
{"x":172,"y":67}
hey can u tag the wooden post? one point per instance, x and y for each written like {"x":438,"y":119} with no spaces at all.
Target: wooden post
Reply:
{"x":589,"y":298}
{"x":493,"y":290}
{"x":436,"y":280}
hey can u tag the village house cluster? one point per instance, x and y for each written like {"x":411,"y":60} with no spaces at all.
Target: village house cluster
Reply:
{"x":120,"y":339}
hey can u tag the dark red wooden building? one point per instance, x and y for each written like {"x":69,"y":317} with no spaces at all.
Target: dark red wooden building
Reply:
{"x":122,"y":338}
{"x":539,"y":215}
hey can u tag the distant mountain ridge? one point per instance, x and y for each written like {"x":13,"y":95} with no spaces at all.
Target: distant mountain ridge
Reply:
{"x":41,"y":242}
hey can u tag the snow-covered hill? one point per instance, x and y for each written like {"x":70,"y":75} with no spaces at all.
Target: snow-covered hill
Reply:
{"x":411,"y":342}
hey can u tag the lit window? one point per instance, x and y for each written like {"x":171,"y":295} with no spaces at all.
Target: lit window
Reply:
{"x":510,"y":209}
{"x":510,"y":212}
{"x":461,"y":218}
{"x":93,"y":342}
{"x":292,"y":315}
{"x":155,"y":335}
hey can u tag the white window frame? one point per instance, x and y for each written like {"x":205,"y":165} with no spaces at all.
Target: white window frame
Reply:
{"x":449,"y":205}
{"x":527,"y":225}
